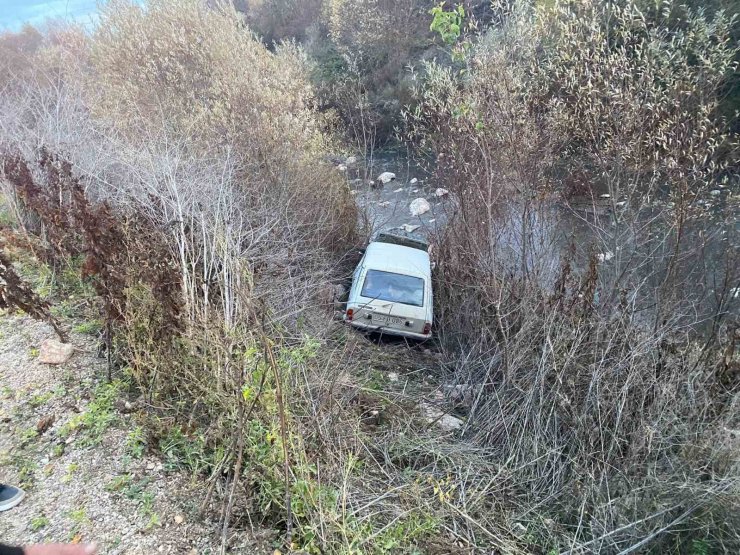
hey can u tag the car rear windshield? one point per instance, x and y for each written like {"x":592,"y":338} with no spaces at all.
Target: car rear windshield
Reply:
{"x":397,"y":288}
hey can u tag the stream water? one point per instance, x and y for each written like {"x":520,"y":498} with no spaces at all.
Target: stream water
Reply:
{"x":584,"y":226}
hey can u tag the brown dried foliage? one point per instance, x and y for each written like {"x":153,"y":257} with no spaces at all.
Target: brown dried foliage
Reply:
{"x":115,"y":258}
{"x":15,"y":293}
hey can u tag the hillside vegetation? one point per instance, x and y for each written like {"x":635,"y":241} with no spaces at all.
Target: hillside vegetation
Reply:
{"x":166,"y":181}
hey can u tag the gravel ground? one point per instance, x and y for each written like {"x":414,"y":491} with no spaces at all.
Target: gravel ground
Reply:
{"x":78,"y":489}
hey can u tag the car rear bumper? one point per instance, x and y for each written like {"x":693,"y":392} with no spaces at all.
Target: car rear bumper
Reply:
{"x":389,"y":331}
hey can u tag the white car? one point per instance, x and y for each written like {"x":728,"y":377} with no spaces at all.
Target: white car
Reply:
{"x":392,"y":288}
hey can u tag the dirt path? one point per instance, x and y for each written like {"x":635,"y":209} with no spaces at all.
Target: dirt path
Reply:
{"x":87,"y":475}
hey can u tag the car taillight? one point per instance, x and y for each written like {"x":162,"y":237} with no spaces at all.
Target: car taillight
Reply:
{"x":350,"y":314}
{"x":427,"y":328}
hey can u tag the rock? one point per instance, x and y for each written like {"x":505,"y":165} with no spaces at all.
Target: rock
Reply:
{"x":386,"y":177}
{"x":151,"y":466}
{"x":414,"y":190}
{"x":353,"y":192}
{"x":432,"y":220}
{"x":339,"y":296}
{"x":339,"y":291}
{"x":179,"y":519}
{"x":342,"y":168}
{"x":419,"y":206}
{"x":605,"y":256}
{"x":449,"y":423}
{"x":351,"y":161}
{"x":621,"y":204}
{"x":398,"y":190}
{"x":393,"y":377}
{"x":408,"y":228}
{"x":715,"y":192}
{"x":414,"y":180}
{"x":384,"y":203}
{"x":440,"y":192}
{"x":55,"y":352}
{"x":444,"y":421}
{"x":606,"y":195}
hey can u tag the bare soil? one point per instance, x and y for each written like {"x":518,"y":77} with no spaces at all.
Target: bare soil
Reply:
{"x":90,"y":489}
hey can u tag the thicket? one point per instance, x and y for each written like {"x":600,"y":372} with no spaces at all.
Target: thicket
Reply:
{"x":178,"y":162}
{"x":606,"y":369}
{"x":362,"y":53}
{"x":178,"y":165}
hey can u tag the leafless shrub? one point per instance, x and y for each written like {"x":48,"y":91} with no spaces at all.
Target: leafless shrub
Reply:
{"x":582,"y":282}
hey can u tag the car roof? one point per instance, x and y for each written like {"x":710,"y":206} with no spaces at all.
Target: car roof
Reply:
{"x":397,"y":258}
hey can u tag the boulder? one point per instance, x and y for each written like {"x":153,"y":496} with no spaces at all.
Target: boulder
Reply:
{"x":386,"y":177}
{"x":384,"y":203}
{"x":414,"y":180}
{"x":55,"y":352}
{"x":419,"y":206}
{"x":342,"y":168}
{"x":440,"y":192}
{"x":408,"y":228}
{"x":351,"y":161}
{"x":398,"y":190}
{"x":605,"y":256}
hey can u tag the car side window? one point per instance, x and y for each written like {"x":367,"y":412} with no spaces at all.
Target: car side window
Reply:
{"x":356,"y":278}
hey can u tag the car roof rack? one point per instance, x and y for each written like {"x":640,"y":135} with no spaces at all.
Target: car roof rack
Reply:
{"x":403,"y":239}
